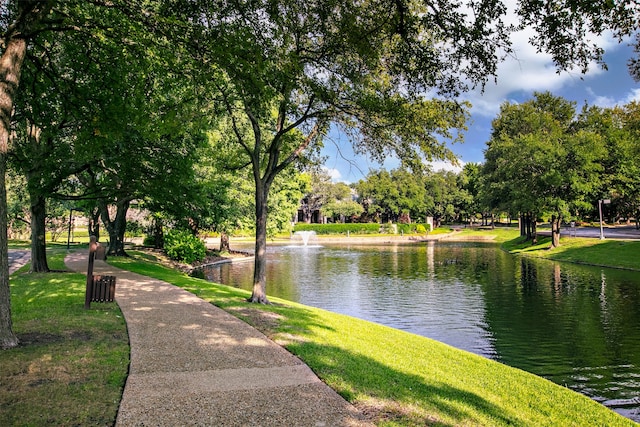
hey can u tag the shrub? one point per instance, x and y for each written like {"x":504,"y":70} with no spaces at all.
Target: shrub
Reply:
{"x":414,"y":228}
{"x":149,"y":240}
{"x":181,"y":245}
{"x":356,"y":228}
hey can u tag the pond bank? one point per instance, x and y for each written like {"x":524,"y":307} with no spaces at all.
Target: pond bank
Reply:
{"x":398,"y":377}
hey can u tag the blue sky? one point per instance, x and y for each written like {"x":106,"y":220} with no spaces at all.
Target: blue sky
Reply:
{"x":518,"y":79}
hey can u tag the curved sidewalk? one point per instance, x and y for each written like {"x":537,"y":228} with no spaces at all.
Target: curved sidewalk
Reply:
{"x":193,"y":364}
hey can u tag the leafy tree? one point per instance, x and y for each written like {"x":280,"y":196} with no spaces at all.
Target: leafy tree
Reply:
{"x":540,"y":162}
{"x":379,"y":195}
{"x":618,"y":127}
{"x":342,"y":205}
{"x":319,"y":195}
{"x":627,"y":184}
{"x":445,"y":196}
{"x":288,"y":70}
{"x":319,"y":63}
{"x":18,"y":22}
{"x":470,"y":180}
{"x":343,"y":208}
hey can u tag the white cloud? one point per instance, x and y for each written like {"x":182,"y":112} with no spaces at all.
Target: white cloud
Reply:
{"x":609,"y":101}
{"x":440,"y":165}
{"x":599,"y":100}
{"x":333,"y":173}
{"x":633,"y":95}
{"x":528,"y":71}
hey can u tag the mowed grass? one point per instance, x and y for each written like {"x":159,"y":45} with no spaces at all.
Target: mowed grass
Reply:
{"x":397,"y":378}
{"x":497,"y":234}
{"x":605,"y":253}
{"x":71,"y":365}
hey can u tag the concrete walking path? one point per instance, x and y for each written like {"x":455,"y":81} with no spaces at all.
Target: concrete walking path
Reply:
{"x":193,"y":364}
{"x":18,"y":258}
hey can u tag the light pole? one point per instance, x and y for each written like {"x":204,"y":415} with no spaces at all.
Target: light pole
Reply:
{"x":600,"y":202}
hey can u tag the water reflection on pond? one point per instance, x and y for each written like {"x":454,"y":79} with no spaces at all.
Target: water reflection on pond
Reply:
{"x":575,"y":325}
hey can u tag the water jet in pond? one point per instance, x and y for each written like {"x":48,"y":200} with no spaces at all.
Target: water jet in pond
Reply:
{"x":306,"y":236}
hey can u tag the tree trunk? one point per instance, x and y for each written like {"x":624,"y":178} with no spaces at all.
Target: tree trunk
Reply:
{"x":94,"y":223}
{"x":534,"y":229}
{"x":555,"y":230}
{"x":158,"y":234}
{"x":7,"y":337}
{"x":10,"y":67}
{"x":117,"y":227}
{"x":38,"y":234}
{"x":259,"y":293}
{"x":224,"y":242}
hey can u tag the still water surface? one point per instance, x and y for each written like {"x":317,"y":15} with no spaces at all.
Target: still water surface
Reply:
{"x":577,"y":326}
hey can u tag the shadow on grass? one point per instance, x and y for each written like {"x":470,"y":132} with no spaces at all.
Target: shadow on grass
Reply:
{"x":67,"y":356}
{"x":521,"y":244}
{"x":378,"y":390}
{"x":403,"y":398}
{"x":388,"y":394}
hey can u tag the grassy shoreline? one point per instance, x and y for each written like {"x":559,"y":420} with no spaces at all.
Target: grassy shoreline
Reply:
{"x":622,"y":254}
{"x":398,"y":378}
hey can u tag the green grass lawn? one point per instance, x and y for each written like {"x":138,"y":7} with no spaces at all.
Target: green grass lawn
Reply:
{"x":401,"y":379}
{"x":71,"y":365}
{"x":499,"y":234}
{"x":606,"y":253}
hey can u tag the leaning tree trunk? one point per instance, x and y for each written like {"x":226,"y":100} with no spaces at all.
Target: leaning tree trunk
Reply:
{"x":259,"y":293}
{"x":10,"y":67}
{"x":38,"y":234}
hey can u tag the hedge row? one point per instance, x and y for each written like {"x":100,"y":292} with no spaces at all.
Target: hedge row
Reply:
{"x":355,"y":228}
{"x":364,"y":228}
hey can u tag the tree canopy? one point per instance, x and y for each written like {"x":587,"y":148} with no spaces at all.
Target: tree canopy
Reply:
{"x":275,"y":75}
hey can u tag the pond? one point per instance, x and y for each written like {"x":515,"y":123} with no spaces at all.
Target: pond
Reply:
{"x":577,"y":326}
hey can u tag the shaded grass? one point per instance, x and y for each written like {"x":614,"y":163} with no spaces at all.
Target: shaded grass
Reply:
{"x":19,"y":244}
{"x":604,"y":253}
{"x":398,"y":378}
{"x":71,"y":365}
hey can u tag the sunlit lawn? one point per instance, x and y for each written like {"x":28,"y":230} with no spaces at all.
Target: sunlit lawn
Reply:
{"x":606,"y":253}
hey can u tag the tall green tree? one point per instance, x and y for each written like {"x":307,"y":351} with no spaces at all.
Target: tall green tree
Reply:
{"x":342,"y":205}
{"x":539,"y":162}
{"x":19,"y":21}
{"x":280,"y":67}
{"x":619,"y":129}
{"x":310,"y":64}
{"x":380,"y":196}
{"x":446,"y":199}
